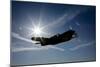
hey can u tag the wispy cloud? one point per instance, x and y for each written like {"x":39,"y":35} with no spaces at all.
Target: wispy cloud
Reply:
{"x":27,"y":49}
{"x":82,"y":45}
{"x":63,"y":19}
{"x":35,"y":48}
{"x":21,"y":38}
{"x":57,"y":48}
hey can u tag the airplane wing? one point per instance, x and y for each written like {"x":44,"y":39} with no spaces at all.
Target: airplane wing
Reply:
{"x":39,"y":38}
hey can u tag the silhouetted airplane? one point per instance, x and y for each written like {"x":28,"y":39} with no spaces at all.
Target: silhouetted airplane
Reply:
{"x":59,"y":38}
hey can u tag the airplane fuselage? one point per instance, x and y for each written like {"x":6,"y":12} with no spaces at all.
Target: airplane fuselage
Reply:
{"x":59,"y":38}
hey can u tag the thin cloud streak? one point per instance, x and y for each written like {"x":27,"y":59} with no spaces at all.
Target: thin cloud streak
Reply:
{"x":61,"y":20}
{"x":82,"y":45}
{"x":27,"y":49}
{"x":21,"y":38}
{"x":35,"y":48}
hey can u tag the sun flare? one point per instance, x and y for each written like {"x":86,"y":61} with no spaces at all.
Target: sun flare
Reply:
{"x":37,"y":31}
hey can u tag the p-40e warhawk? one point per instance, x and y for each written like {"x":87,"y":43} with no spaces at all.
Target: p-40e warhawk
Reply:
{"x":59,"y":38}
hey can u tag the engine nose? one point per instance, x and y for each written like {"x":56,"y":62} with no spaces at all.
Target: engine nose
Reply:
{"x":74,"y":35}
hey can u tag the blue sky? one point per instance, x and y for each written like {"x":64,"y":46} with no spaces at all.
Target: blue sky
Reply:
{"x":53,"y":18}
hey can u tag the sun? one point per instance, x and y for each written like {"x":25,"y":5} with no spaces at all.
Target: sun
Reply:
{"x":37,"y":31}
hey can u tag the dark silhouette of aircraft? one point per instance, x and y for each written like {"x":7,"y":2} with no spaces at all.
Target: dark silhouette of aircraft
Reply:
{"x":59,"y":38}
